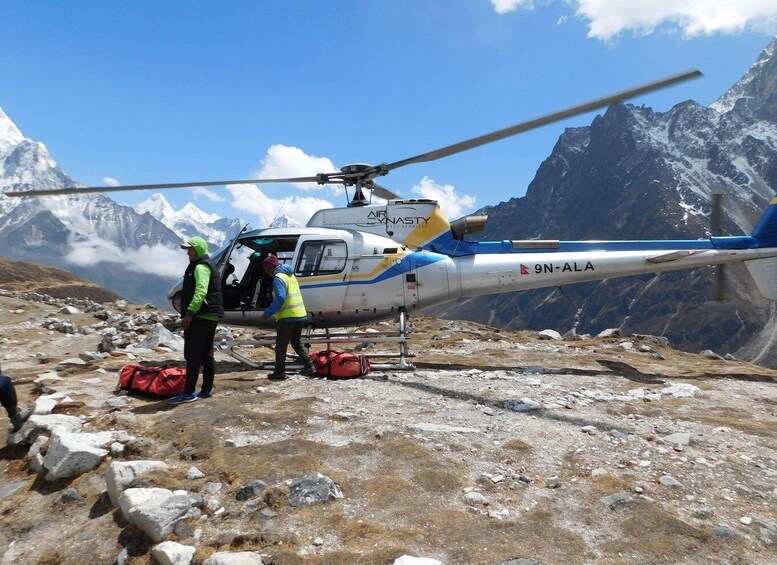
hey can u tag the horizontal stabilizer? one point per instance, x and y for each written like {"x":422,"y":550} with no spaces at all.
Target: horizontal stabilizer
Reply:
{"x":764,"y":273}
{"x":672,"y":256}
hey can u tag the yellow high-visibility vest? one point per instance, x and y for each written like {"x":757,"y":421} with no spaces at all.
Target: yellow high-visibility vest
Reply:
{"x":293,"y":307}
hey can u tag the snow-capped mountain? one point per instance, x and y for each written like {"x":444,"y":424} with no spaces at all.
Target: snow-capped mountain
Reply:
{"x":755,"y":94}
{"x":284,"y":222}
{"x":639,"y":174}
{"x":90,"y":235}
{"x":190,"y":220}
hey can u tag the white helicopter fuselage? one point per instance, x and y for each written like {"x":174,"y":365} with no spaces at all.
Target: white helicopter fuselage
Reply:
{"x":356,"y":273}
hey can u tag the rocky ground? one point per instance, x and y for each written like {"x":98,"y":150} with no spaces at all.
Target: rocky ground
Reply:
{"x":500,"y":447}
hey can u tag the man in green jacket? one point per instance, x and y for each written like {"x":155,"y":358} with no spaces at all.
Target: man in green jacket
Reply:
{"x":202,"y":304}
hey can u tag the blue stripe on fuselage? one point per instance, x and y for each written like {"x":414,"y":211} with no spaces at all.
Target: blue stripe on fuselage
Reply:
{"x":462,"y":248}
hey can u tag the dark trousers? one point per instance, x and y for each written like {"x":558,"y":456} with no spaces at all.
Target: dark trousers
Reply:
{"x":198,"y":352}
{"x":8,"y":395}
{"x":289,"y":332}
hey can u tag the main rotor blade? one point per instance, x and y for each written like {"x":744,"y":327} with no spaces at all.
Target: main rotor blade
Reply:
{"x":55,"y":191}
{"x":538,"y":122}
{"x":382,"y":192}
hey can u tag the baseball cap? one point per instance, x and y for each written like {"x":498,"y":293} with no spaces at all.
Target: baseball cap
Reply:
{"x":194,"y":243}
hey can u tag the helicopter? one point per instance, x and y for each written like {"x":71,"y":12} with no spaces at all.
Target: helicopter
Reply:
{"x":368,"y":262}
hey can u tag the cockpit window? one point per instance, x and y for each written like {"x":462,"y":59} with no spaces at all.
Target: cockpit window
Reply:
{"x":321,"y":258}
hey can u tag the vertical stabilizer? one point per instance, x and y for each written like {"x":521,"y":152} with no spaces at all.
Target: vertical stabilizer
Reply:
{"x":766,"y":229}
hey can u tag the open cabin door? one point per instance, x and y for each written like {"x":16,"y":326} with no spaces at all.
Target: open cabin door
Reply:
{"x":250,"y":292}
{"x":222,"y":257}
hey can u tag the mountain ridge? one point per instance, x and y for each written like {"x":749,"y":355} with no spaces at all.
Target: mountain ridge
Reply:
{"x":639,"y":174}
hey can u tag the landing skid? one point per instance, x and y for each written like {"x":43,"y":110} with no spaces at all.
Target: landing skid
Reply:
{"x":332,"y":341}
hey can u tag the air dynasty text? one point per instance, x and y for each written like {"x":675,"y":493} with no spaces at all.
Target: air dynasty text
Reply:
{"x":383,"y":218}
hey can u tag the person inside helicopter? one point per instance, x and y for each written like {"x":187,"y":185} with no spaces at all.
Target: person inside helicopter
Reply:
{"x":253,"y":290}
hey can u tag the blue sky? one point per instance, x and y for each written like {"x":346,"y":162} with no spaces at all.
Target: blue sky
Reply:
{"x":145,"y":92}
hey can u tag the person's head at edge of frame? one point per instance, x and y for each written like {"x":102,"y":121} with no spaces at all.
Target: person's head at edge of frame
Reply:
{"x":196,"y":247}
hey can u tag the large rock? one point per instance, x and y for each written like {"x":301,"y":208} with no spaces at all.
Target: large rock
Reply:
{"x":172,"y":553}
{"x":158,"y":518}
{"x":120,"y":474}
{"x":37,"y":426}
{"x":161,"y":336}
{"x":313,"y":489}
{"x":70,"y":455}
{"x":133,"y":497}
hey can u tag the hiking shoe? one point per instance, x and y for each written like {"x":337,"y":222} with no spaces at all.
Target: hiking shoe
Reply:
{"x":21,"y":416}
{"x":203,"y":394}
{"x":308,"y":371}
{"x":182,"y":398}
{"x":277,"y":376}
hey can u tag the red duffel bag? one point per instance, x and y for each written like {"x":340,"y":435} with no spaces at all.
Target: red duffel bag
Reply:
{"x":340,"y":365}
{"x":152,"y":381}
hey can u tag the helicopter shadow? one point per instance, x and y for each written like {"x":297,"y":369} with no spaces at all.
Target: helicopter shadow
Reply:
{"x":502,"y":405}
{"x":618,"y":368}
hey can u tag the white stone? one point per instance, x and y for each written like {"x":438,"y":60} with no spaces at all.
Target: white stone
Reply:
{"x":132,"y":497}
{"x":679,"y":438}
{"x":72,"y":454}
{"x":549,"y":334}
{"x":122,"y":473}
{"x":194,"y":473}
{"x":410,"y":560}
{"x":237,"y":558}
{"x":522,"y":405}
{"x":475,"y":498}
{"x":682,"y":390}
{"x":172,"y":553}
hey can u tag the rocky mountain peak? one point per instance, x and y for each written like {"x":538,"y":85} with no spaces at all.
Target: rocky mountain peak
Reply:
{"x":755,"y":94}
{"x":157,"y":206}
{"x":194,"y":213}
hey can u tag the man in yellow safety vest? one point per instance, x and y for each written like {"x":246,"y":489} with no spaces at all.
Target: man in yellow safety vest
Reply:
{"x":289,"y":311}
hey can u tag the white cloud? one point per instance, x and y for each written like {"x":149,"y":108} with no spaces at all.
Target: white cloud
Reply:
{"x":505,"y":6}
{"x":609,"y":18}
{"x":252,"y":200}
{"x":209,"y":194}
{"x":156,"y":259}
{"x":110,"y":181}
{"x":452,"y":204}
{"x":283,"y":161}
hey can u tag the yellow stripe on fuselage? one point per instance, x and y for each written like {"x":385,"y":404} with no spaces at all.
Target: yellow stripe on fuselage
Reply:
{"x":433,"y":227}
